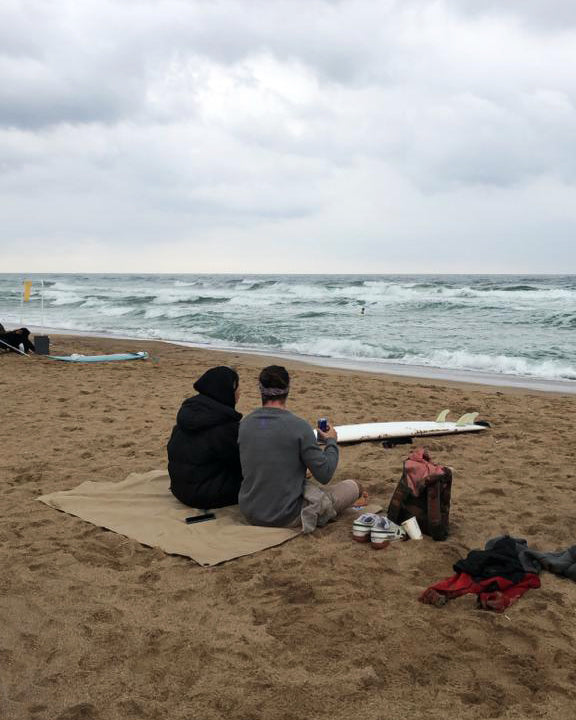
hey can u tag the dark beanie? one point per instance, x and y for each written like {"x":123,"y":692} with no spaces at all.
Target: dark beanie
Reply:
{"x":219,"y":383}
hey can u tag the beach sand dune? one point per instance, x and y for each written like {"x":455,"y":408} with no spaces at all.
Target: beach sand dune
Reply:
{"x":97,"y":627}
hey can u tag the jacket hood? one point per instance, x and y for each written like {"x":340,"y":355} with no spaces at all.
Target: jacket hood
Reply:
{"x":202,"y":412}
{"x":218,"y":383}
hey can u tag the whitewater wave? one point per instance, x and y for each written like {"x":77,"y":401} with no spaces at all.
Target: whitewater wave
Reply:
{"x":203,"y":300}
{"x":187,"y":283}
{"x":117,"y":311}
{"x":335,"y":348}
{"x":170,"y":313}
{"x":171,"y":296}
{"x":69,"y":298}
{"x":260,"y":285}
{"x":500,"y":364}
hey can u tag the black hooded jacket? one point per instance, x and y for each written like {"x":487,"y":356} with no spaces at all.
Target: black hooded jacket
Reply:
{"x":203,"y":456}
{"x":15,"y":338}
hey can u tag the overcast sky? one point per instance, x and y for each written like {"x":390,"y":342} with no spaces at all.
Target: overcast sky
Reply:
{"x":288,"y":136}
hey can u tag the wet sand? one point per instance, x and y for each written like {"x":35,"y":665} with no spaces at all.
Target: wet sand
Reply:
{"x":98,"y":627}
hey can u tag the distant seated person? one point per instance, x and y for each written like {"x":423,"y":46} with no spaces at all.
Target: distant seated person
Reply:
{"x":277,"y":449}
{"x":14,"y":338}
{"x":203,"y":458}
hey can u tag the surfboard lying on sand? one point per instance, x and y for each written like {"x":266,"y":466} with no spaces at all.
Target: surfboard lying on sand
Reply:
{"x":100,"y":358}
{"x":408,"y":429}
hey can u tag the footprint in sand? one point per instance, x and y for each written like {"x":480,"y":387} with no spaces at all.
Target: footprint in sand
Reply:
{"x":82,"y":711}
{"x":106,"y":616}
{"x":517,"y":640}
{"x":499,"y":492}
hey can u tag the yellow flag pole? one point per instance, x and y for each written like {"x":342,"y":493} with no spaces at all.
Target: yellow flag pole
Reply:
{"x":27,"y":288}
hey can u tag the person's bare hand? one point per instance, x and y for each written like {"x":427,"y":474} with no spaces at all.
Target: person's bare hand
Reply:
{"x":330,"y":433}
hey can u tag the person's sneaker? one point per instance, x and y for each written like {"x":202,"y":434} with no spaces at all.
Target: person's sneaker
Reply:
{"x":362,"y":526}
{"x":385,"y":531}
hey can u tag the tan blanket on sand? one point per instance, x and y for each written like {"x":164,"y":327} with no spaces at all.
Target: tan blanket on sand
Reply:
{"x":143,"y":508}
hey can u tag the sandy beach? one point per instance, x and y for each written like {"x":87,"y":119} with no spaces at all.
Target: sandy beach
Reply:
{"x":96,"y":626}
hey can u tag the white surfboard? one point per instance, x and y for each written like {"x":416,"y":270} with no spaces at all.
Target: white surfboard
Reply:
{"x":408,"y":429}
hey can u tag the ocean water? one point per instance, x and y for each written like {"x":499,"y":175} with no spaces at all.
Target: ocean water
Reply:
{"x":513,"y":326}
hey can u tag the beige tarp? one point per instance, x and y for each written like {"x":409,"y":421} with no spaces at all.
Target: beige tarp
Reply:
{"x":143,"y":508}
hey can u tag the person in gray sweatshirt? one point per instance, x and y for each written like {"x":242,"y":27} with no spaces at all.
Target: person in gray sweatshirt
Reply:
{"x":277,"y":448}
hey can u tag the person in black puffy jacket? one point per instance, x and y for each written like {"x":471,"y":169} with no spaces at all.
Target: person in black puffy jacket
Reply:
{"x":12,"y":339}
{"x":203,"y":456}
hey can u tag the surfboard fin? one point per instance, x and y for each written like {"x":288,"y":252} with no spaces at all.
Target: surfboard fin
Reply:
{"x":467,"y":419}
{"x":443,"y":415}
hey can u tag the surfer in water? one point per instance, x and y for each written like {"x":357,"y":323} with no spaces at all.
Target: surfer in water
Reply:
{"x":276,"y":450}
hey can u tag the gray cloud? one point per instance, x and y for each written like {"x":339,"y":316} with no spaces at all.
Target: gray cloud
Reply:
{"x":553,"y":15}
{"x":378,"y":126}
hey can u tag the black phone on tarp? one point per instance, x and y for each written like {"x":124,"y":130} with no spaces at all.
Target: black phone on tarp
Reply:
{"x":199,"y":518}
